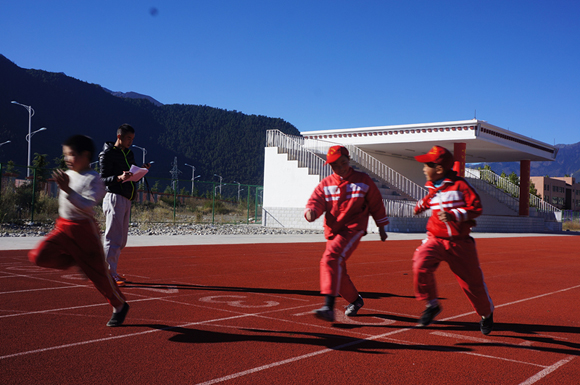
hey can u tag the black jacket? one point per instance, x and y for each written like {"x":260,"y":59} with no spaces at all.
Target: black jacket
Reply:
{"x":113,"y":161}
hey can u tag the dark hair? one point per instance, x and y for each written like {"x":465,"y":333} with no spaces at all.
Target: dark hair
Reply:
{"x":125,"y":129}
{"x":80,"y":144}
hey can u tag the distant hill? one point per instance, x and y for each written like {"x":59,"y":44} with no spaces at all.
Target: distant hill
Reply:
{"x":134,"y":95}
{"x":215,"y":141}
{"x":567,"y":163}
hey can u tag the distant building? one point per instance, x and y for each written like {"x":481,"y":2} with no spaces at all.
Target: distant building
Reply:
{"x":562,"y":192}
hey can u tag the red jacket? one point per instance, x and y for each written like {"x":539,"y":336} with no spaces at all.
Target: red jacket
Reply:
{"x":347,"y":202}
{"x":456,"y":196}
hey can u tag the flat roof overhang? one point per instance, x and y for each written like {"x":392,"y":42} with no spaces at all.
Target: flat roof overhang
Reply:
{"x":484,"y":142}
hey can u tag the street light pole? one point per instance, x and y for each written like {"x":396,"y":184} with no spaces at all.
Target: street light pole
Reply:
{"x":193,"y":177}
{"x":30,"y":114}
{"x":239,"y":186}
{"x":219,"y":176}
{"x":144,"y":152}
{"x":142,"y":183}
{"x":2,"y":144}
{"x":29,"y":139}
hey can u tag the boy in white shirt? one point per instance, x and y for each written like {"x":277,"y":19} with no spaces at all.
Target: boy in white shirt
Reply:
{"x":76,"y":239}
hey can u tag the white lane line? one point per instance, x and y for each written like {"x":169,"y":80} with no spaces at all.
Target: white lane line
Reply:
{"x":71,"y":308}
{"x":114,"y":338}
{"x":309,"y":312}
{"x":501,"y":359}
{"x":12,"y":275}
{"x":461,"y":337}
{"x":538,"y":376}
{"x":250,"y":371}
{"x":264,"y":367}
{"x":298,"y":358}
{"x":514,"y":302}
{"x":43,"y":289}
{"x":128,"y":335}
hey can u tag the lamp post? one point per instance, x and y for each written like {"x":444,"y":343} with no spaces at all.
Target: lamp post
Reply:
{"x":144,"y":152}
{"x":2,"y":144}
{"x":239,"y":189}
{"x":219,"y":176}
{"x":193,"y":177}
{"x":28,"y":139}
{"x":30,"y":114}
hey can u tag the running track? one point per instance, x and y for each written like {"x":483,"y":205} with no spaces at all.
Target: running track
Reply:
{"x":241,"y":314}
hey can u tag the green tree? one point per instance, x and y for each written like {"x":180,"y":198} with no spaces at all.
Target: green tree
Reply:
{"x":41,"y":166}
{"x":533,"y":189}
{"x":10,"y":169}
{"x":514,"y":178}
{"x":60,"y":163}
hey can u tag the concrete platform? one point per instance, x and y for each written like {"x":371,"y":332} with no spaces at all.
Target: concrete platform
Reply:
{"x":26,"y":243}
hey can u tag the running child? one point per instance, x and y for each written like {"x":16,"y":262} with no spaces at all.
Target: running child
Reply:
{"x":347,"y":197}
{"x":454,"y":205}
{"x":76,"y":239}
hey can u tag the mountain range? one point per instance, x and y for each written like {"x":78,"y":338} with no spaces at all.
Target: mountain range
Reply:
{"x":567,"y":163}
{"x":216,"y":141}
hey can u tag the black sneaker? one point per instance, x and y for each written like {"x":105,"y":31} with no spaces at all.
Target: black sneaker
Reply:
{"x":325,"y":313}
{"x":353,"y":308}
{"x":428,"y":315}
{"x":486,"y":324}
{"x":118,"y":318}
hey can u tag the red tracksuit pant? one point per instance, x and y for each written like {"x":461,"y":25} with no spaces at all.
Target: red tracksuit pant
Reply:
{"x":78,"y":243}
{"x":461,"y":255}
{"x":333,"y":277}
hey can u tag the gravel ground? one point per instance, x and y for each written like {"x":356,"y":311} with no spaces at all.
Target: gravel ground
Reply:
{"x":35,"y":230}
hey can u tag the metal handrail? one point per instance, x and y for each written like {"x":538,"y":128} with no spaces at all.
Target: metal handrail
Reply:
{"x":374,"y":166}
{"x":503,"y":185}
{"x":293,"y":146}
{"x":311,"y":156}
{"x":403,"y":209}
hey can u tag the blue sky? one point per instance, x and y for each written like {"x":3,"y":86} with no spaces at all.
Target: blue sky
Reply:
{"x":321,"y":64}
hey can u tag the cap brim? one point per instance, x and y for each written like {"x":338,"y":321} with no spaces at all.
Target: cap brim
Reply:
{"x":333,"y":158}
{"x":426,"y":158}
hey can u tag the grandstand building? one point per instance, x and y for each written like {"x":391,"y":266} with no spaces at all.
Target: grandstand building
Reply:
{"x":294,"y":165}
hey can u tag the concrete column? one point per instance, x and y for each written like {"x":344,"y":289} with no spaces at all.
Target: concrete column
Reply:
{"x":459,"y":156}
{"x":524,"y":187}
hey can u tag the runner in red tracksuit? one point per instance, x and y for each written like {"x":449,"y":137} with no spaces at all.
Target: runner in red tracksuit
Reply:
{"x":454,"y":205}
{"x":347,"y":197}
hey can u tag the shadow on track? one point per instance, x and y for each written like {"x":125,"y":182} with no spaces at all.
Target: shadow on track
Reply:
{"x":517,"y":333}
{"x":234,"y":289}
{"x":323,"y":340}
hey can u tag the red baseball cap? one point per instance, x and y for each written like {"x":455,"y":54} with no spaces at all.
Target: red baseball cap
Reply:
{"x":437,"y":155}
{"x":334,"y":153}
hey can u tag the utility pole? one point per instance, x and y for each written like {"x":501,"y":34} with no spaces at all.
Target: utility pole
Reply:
{"x":174,"y":175}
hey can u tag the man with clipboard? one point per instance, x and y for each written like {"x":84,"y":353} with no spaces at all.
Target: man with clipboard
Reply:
{"x":116,"y":162}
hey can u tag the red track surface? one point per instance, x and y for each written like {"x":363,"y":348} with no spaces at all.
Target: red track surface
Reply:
{"x":240,"y":314}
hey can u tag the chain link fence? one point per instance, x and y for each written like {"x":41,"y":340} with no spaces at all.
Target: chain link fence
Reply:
{"x":571,"y":220}
{"x":170,"y":201}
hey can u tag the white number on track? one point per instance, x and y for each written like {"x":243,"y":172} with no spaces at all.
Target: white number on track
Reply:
{"x":236,"y":303}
